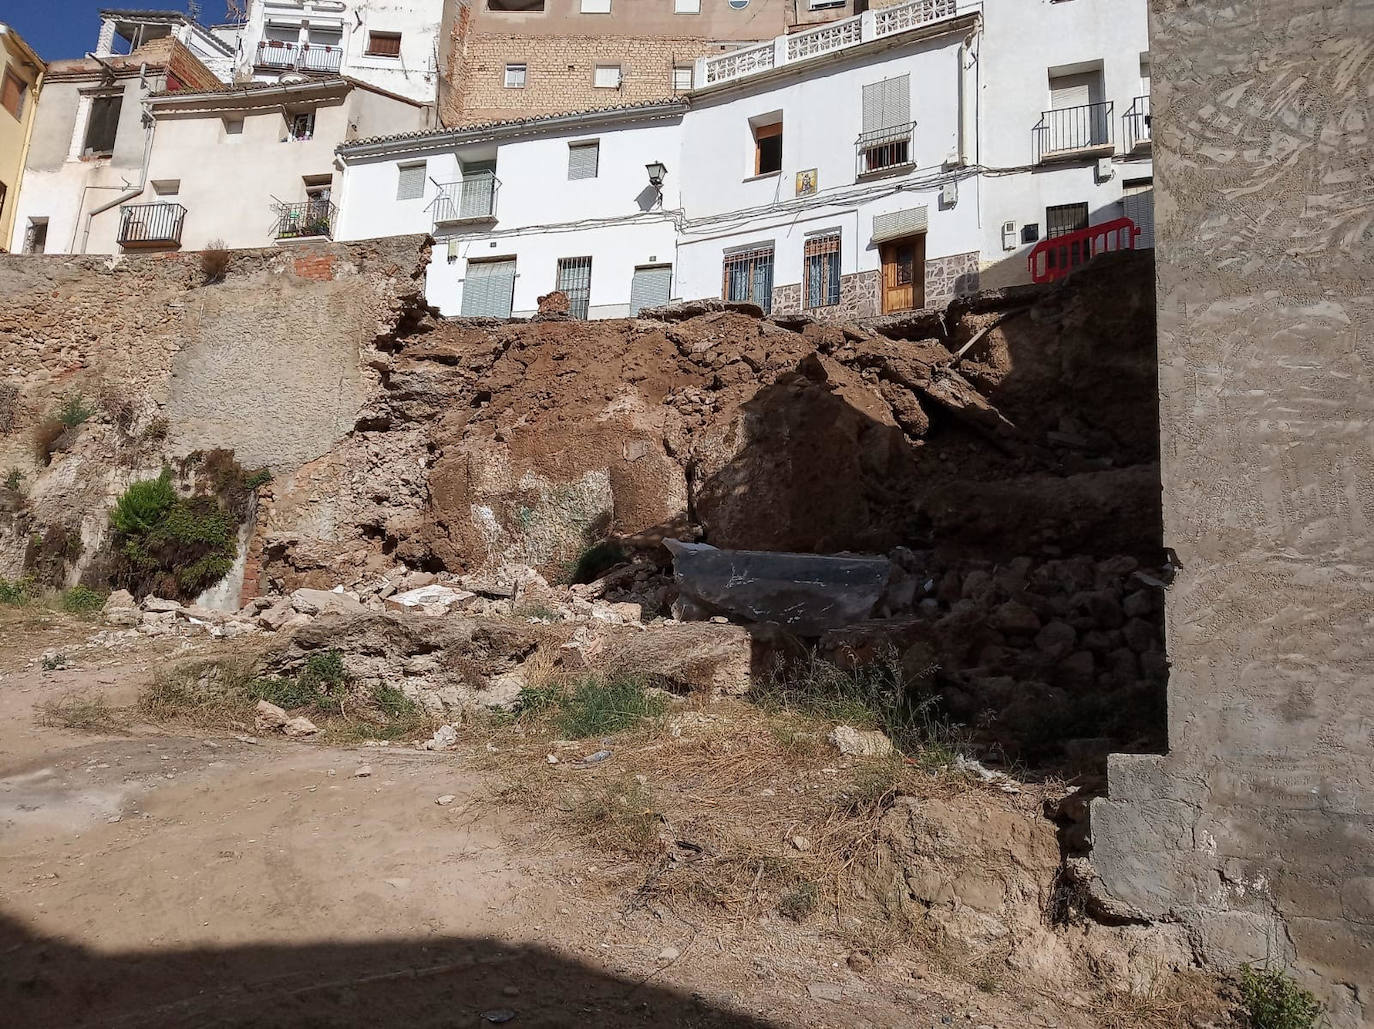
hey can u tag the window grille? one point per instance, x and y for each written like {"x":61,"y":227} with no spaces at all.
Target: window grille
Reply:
{"x":575,"y":279}
{"x":748,"y":277}
{"x":822,"y":265}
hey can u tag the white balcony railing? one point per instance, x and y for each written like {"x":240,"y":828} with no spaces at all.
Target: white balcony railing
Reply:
{"x":825,"y":39}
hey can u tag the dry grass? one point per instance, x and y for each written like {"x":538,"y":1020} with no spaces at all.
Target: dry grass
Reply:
{"x":84,"y":712}
{"x":203,"y":694}
{"x":214,"y":261}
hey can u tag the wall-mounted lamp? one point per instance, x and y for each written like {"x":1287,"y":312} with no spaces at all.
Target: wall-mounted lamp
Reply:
{"x":657,"y":173}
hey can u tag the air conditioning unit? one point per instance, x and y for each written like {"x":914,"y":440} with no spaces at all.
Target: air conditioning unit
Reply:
{"x":1104,"y":169}
{"x":1008,"y":235}
{"x":949,"y":194}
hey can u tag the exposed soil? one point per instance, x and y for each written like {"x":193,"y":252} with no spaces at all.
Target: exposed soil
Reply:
{"x":167,"y":877}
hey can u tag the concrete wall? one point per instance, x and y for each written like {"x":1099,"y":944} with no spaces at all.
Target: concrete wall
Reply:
{"x":1257,"y":828}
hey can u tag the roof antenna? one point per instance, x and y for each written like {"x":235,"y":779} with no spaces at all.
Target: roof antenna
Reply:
{"x":193,"y":9}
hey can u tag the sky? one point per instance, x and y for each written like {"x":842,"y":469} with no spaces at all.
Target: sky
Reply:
{"x":69,"y":28}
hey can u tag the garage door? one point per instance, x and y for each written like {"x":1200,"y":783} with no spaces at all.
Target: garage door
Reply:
{"x":652,"y":286}
{"x":489,"y":289}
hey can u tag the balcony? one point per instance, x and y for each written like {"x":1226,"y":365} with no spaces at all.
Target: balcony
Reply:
{"x":150,"y":225}
{"x":308,"y":220}
{"x":312,"y":58}
{"x":1070,"y":133}
{"x":885,"y":152}
{"x":1136,"y":125}
{"x":470,"y":201}
{"x":829,"y":38}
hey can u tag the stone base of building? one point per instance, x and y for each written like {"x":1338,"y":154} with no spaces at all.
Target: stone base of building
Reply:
{"x":946,"y":278}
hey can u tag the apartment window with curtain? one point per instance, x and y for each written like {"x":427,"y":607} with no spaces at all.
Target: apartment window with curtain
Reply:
{"x":822,"y":270}
{"x":748,"y":276}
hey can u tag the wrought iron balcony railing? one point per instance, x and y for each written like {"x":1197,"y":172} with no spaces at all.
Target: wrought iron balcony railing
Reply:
{"x":307,"y":57}
{"x":1080,"y":131}
{"x":471,"y":200}
{"x":311,"y":218}
{"x":151,"y":225}
{"x":885,"y":150}
{"x":1136,"y":122}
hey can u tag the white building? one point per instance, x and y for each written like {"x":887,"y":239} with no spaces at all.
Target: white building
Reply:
{"x":877,"y":164}
{"x":392,"y":45}
{"x":124,"y":31}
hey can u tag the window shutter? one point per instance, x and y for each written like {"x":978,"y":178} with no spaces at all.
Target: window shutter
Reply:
{"x":489,"y":289}
{"x":887,"y":104}
{"x":897,"y":224}
{"x":13,"y":96}
{"x":1139,"y":203}
{"x":1072,"y":90}
{"x":410,"y":182}
{"x":583,"y":160}
{"x":479,"y":189}
{"x":650,"y":287}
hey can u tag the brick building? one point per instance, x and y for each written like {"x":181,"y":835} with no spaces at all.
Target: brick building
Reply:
{"x":521,"y":58}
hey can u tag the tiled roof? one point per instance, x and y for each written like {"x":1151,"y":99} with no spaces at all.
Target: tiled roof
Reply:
{"x":666,"y":104}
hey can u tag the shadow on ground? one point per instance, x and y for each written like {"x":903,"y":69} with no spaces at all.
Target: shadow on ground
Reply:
{"x":444,"y":981}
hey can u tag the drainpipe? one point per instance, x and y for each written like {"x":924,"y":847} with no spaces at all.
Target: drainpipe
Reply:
{"x":134,"y":191}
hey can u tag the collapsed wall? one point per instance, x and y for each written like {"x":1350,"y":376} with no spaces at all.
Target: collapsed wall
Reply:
{"x":1257,"y":828}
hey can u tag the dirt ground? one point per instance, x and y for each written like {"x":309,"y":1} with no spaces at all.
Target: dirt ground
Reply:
{"x":165,"y":878}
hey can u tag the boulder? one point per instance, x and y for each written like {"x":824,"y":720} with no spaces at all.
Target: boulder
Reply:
{"x":158,"y":605}
{"x":275,"y":617}
{"x":120,"y":609}
{"x":702,"y":656}
{"x":1056,"y":639}
{"x":1014,"y":617}
{"x":434,"y":599}
{"x":321,"y":602}
{"x":270,"y":718}
{"x":859,"y":742}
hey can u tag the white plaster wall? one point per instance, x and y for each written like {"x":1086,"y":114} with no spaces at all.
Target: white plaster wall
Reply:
{"x":413,"y":75}
{"x":64,"y":195}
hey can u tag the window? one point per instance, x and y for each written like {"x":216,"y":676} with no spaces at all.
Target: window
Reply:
{"x":300,"y":126}
{"x":167,"y":187}
{"x":886,"y":139}
{"x":36,"y":236}
{"x":489,"y":288}
{"x":1138,"y":204}
{"x":233,"y":130}
{"x":1078,"y":117}
{"x":523,"y":6}
{"x":584,"y":160}
{"x":515,"y":76}
{"x":1066,"y":218}
{"x":102,"y":125}
{"x":383,"y":44}
{"x":822,"y":260}
{"x":768,"y":148}
{"x":607,"y":76}
{"x":651,"y":286}
{"x":13,"y":94}
{"x":478,"y":197}
{"x":748,"y":276}
{"x":682,"y":78}
{"x":739,"y":5}
{"x":596,"y":6}
{"x":575,"y":279}
{"x":686,"y":6}
{"x":410,"y":181}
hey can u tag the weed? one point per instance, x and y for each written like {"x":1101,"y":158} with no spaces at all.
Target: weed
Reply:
{"x":14,"y":479}
{"x":52,"y":662}
{"x":157,"y":429}
{"x":74,"y":411}
{"x":800,"y":902}
{"x":143,"y":505}
{"x":90,"y":714}
{"x":1272,"y":1000}
{"x":82,"y":600}
{"x":597,"y":705}
{"x":620,"y":814}
{"x":208,"y":694}
{"x":287,"y":694}
{"x":256,"y":480}
{"x":9,"y":406}
{"x":214,"y":261}
{"x":326,"y":669}
{"x":393,"y":703}
{"x":875,"y":695}
{"x":17,"y":592}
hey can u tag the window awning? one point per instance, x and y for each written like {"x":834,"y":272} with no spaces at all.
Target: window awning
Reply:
{"x":896,"y":224}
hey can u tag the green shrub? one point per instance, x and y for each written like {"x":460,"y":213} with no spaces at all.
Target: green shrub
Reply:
{"x":597,"y":705}
{"x":143,"y":505}
{"x":14,"y":479}
{"x":74,"y":411}
{"x":17,"y":592}
{"x":82,"y":600}
{"x":287,"y":694}
{"x":393,"y":703}
{"x":1274,"y":1001}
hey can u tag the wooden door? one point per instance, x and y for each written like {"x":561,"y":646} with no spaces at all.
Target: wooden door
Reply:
{"x":904,"y":274}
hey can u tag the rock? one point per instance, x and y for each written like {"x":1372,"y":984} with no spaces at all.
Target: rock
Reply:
{"x":1015,"y":617}
{"x":300,"y":726}
{"x":978,"y":585}
{"x":320,"y":602}
{"x":1141,"y":603}
{"x":1075,"y":671}
{"x":434,"y":599}
{"x":159,"y":605}
{"x":270,"y":718}
{"x":275,"y":617}
{"x":1056,"y":639}
{"x":444,"y":738}
{"x":801,"y":843}
{"x":826,"y":991}
{"x":554,"y":303}
{"x":688,"y":655}
{"x":445,"y":800}
{"x":362,"y":772}
{"x":669,"y":954}
{"x":629,"y":612}
{"x":859,"y":742}
{"x":120,"y":609}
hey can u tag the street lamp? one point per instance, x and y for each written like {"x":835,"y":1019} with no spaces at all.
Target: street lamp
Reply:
{"x":657,"y":173}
